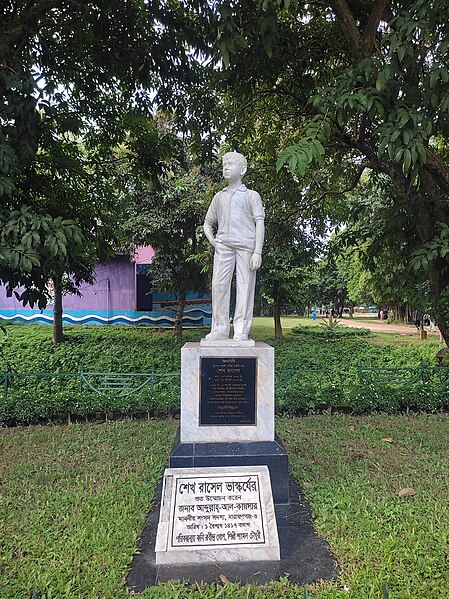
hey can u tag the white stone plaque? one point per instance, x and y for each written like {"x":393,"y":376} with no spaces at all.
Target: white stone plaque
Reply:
{"x":217,"y":514}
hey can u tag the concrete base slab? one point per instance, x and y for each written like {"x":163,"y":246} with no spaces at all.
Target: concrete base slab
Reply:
{"x":305,"y":556}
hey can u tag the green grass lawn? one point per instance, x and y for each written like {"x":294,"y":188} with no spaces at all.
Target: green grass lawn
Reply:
{"x":288,"y":322}
{"x":74,"y":500}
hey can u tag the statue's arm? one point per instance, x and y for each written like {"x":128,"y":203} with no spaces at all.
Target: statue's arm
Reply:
{"x":209,"y":221}
{"x":258,"y":213}
{"x":256,"y":258}
{"x":260,"y":234}
{"x":209,"y":232}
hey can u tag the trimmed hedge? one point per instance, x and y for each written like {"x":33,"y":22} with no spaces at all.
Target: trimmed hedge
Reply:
{"x":25,"y":407}
{"x":363,"y":399}
{"x":322,"y":332}
{"x":22,"y":407}
{"x":125,"y":349}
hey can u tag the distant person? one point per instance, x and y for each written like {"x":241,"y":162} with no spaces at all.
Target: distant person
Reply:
{"x":238,"y":214}
{"x":418,"y":319}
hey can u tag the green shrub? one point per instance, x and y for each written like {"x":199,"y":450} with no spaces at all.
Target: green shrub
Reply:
{"x":320,"y":373}
{"x":309,"y":398}
{"x":26,"y":407}
{"x":394,"y":399}
{"x":327,"y":332}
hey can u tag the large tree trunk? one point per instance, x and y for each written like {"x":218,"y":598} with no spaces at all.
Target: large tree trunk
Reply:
{"x":179,"y":314}
{"x":399,"y":312}
{"x":58,"y":336}
{"x":432,"y":208}
{"x":277,"y":321}
{"x":439,"y":281}
{"x":429,"y":206}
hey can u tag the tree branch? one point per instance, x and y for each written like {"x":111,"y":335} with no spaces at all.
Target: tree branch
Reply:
{"x":369,"y":35}
{"x":361,"y":44}
{"x":438,"y":168}
{"x":347,"y":23}
{"x":350,"y":187}
{"x":30,"y":21}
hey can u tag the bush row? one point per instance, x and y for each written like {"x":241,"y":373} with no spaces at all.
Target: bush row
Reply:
{"x":363,"y":399}
{"x":324,"y":332}
{"x":26,"y":408}
{"x":22,"y":407}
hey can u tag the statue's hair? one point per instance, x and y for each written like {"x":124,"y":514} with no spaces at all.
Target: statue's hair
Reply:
{"x":241,"y":159}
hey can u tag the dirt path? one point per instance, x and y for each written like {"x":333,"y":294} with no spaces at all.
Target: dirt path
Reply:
{"x":381,"y":326}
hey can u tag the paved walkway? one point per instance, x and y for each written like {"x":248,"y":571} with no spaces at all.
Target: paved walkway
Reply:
{"x":381,"y":326}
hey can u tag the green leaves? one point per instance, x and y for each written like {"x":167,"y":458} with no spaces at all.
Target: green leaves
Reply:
{"x":75,"y":83}
{"x":32,"y":245}
{"x":438,"y":247}
{"x":309,"y":150}
{"x":403,"y":140}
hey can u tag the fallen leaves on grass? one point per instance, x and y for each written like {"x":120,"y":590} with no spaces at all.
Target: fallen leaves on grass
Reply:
{"x":387,"y":439}
{"x":407,"y":492}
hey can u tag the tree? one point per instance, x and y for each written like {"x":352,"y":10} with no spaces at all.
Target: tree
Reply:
{"x":169,"y":217}
{"x":373,"y":98}
{"x":72,"y":225}
{"x":75,"y":79}
{"x":378,"y":248}
{"x":291,"y":246}
{"x":330,"y":285}
{"x":283,"y":271}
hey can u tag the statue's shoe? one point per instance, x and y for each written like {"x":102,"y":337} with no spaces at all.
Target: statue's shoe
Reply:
{"x":240,"y":337}
{"x":214,"y":336}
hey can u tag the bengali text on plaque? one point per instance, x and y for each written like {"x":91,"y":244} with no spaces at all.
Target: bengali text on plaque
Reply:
{"x":228,"y":391}
{"x":221,"y":510}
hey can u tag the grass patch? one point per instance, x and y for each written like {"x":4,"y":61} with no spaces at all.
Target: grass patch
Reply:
{"x":352,"y":478}
{"x":74,"y":500}
{"x":73,"y":504}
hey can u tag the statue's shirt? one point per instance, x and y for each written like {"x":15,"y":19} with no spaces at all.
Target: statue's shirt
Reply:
{"x":235,"y":214}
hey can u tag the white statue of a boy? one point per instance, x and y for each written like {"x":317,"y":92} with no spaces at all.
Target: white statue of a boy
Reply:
{"x":239,"y":216}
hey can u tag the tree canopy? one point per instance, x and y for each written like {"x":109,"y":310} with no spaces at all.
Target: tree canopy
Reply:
{"x":348,"y":86}
{"x":323,"y":92}
{"x":76,"y":79}
{"x":169,"y":217}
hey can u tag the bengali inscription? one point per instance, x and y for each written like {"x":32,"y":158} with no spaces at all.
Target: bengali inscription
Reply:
{"x":228,"y":391}
{"x":221,"y":510}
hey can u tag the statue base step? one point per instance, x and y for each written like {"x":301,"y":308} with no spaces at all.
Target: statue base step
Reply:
{"x":259,"y":453}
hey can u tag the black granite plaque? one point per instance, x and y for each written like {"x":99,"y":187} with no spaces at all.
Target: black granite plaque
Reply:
{"x":228,"y":391}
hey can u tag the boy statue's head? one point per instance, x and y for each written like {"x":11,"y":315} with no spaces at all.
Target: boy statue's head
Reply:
{"x":234,"y":166}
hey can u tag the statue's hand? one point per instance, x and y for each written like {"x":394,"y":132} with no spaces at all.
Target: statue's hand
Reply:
{"x":255,"y":262}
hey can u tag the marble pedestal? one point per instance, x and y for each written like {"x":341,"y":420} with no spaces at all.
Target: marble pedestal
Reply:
{"x":227,"y":410}
{"x":227,"y":392}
